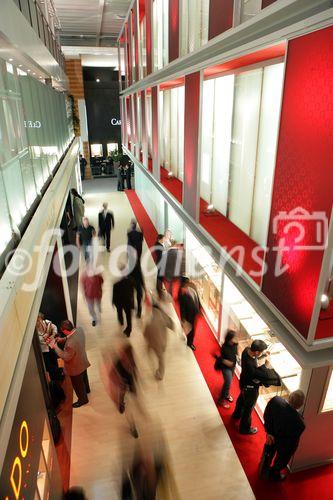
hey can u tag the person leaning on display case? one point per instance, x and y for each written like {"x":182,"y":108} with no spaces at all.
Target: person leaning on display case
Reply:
{"x":284,"y":426}
{"x":251,"y":378}
{"x":78,"y":208}
{"x":226,"y":362}
{"x":190,"y":307}
{"x":75,"y":360}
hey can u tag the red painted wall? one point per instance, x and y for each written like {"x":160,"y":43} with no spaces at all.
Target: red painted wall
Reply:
{"x":173,"y":30}
{"x":220,"y":16}
{"x":149,"y":35}
{"x":304,"y":173}
{"x":266,"y":3}
{"x":191,"y":140}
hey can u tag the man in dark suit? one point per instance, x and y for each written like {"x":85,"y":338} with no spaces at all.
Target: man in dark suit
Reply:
{"x":284,"y":426}
{"x":123,"y":300}
{"x":134,"y":241}
{"x":75,"y":360}
{"x":105,"y":224}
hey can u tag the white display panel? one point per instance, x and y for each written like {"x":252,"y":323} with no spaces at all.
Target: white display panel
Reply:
{"x":96,"y":150}
{"x":267,"y":140}
{"x":328,"y":401}
{"x":244,"y":147}
{"x":181,"y":124}
{"x":171,"y":130}
{"x":160,"y":33}
{"x":194,"y":24}
{"x":207,"y":127}
{"x":149,"y":122}
{"x":175,"y":225}
{"x":224,"y":98}
{"x":249,"y":9}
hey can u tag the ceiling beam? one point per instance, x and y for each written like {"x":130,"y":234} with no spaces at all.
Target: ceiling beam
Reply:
{"x":100,"y":12}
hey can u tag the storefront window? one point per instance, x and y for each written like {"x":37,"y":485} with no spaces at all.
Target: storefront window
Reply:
{"x":239,"y":315}
{"x":96,"y":150}
{"x":206,"y":275}
{"x":238,"y":145}
{"x":249,"y":9}
{"x":328,"y":401}
{"x":171,"y":130}
{"x":161,"y":33}
{"x":194,"y":15}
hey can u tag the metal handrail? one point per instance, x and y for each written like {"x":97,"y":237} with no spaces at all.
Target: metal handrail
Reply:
{"x":43,"y":29}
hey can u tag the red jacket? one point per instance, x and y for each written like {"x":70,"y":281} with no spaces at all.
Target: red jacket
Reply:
{"x":92,"y":286}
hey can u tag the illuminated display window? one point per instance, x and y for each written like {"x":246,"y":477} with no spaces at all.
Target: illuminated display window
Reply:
{"x":328,"y":401}
{"x":111,"y":146}
{"x":96,"y":150}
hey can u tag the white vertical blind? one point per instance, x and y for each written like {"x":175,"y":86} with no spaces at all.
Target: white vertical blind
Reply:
{"x":244,"y":147}
{"x":194,"y":24}
{"x":181,"y":124}
{"x":208,"y":107}
{"x":268,"y":133}
{"x":166,"y":128}
{"x":174,"y":132}
{"x":149,"y":122}
{"x":224,"y":95}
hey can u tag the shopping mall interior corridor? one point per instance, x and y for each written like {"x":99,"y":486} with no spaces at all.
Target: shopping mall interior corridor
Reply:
{"x":179,"y":410}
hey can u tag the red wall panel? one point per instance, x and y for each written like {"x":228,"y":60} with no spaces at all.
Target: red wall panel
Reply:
{"x":191,"y":139}
{"x":266,"y":3}
{"x":173,"y":30}
{"x":144,"y":140}
{"x":155,"y":152}
{"x":303,"y":174}
{"x":220,"y":16}
{"x":136,"y":38}
{"x":149,"y":35}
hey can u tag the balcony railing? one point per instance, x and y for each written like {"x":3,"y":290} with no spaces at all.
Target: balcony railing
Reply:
{"x":34,"y":15}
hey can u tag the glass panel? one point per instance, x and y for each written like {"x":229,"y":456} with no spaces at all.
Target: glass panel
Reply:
{"x":249,"y":9}
{"x":28,"y":179}
{"x":328,"y":402}
{"x":40,"y":24}
{"x":5,"y":225}
{"x":175,"y":225}
{"x":96,"y":150}
{"x":268,"y":133}
{"x":244,"y":147}
{"x":33,"y":14}
{"x":25,"y":10}
{"x":15,"y":191}
{"x":207,"y":139}
{"x":224,"y":94}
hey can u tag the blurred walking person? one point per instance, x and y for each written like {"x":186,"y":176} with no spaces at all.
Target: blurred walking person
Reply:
{"x":226,"y":363}
{"x":155,"y":334}
{"x":139,"y":287}
{"x":92,"y":283}
{"x":84,"y":239}
{"x":134,"y":243}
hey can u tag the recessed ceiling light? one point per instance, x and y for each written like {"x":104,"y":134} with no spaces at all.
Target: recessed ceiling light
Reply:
{"x":29,"y":70}
{"x":10,"y":59}
{"x":98,"y":80}
{"x":20,"y":65}
{"x":33,"y":73}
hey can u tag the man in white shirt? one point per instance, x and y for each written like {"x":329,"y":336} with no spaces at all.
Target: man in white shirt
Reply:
{"x":47,"y":331}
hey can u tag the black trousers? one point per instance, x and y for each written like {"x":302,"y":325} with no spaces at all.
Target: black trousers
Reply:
{"x":139,"y":294}
{"x":128,"y":314}
{"x":51,"y":363}
{"x":81,"y":386}
{"x":106,"y":234}
{"x":282,"y":453}
{"x":244,"y":407}
{"x":190,"y":337}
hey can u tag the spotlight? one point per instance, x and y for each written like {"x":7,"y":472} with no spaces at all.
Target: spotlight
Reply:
{"x":210,"y":210}
{"x":10,"y":59}
{"x":325,"y":301}
{"x":170,"y":175}
{"x":98,"y":80}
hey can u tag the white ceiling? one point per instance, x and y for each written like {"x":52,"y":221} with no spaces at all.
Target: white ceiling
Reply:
{"x":91,"y":22}
{"x":93,"y":56}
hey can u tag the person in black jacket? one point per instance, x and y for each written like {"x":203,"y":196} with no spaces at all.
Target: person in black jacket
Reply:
{"x":83,"y":164}
{"x":123,"y":300}
{"x":189,"y":305}
{"x":250,"y":380}
{"x":134,"y":242}
{"x":284,"y":426}
{"x":160,"y":261}
{"x":105,"y":224}
{"x":139,"y":286}
{"x":229,"y":350}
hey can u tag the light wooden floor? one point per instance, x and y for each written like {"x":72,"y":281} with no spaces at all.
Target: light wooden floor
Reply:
{"x":180,"y":408}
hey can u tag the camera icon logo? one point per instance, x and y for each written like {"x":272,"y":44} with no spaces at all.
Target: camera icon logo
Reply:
{"x":301,"y":230}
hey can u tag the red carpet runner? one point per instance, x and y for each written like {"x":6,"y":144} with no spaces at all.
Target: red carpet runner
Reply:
{"x":307,"y":485}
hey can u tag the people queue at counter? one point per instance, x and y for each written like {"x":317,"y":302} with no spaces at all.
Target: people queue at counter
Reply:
{"x":282,"y":419}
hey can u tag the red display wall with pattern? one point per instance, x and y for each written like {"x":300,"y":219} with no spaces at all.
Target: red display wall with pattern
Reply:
{"x":303,"y":175}
{"x":220,"y":16}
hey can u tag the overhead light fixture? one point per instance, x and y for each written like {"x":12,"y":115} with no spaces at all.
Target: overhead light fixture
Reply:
{"x":33,"y":73}
{"x":20,"y":65}
{"x":28,"y":70}
{"x":98,"y":80}
{"x":325,"y":301}
{"x":10,"y":59}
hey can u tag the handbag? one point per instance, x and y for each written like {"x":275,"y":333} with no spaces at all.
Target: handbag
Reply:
{"x":218,"y":365}
{"x":271,"y":378}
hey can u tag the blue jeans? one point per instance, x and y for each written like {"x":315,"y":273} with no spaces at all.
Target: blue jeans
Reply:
{"x":227,"y":376}
{"x":87,"y":252}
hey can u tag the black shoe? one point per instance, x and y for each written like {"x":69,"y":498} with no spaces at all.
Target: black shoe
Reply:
{"x":134,"y":432}
{"x":127,"y":332}
{"x":121,"y":322}
{"x":121,"y":407}
{"x":88,"y":390}
{"x":138,"y":314}
{"x":79,"y":403}
{"x":93,"y":323}
{"x":192,"y":346}
{"x":252,"y":430}
{"x":108,"y":250}
{"x":276,"y":475}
